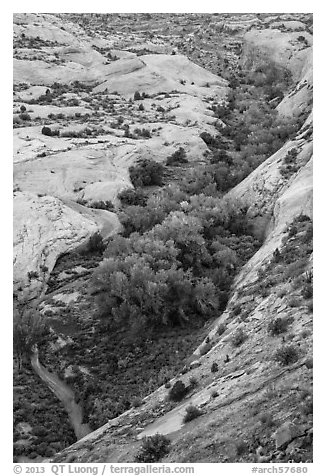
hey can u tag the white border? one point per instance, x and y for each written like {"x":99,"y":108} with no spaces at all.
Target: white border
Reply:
{"x":230,"y":6}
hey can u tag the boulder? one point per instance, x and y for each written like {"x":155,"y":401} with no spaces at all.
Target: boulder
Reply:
{"x":285,"y":434}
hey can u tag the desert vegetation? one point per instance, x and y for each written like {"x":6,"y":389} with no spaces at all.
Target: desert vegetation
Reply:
{"x":153,"y":449}
{"x":123,"y":315}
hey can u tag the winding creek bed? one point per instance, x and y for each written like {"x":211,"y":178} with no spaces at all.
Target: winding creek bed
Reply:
{"x":65,"y":394}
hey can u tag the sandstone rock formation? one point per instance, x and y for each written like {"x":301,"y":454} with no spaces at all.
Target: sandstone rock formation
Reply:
{"x":45,"y":228}
{"x":49,"y":223}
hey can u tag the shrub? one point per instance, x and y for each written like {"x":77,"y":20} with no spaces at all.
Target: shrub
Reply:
{"x":141,"y":107}
{"x":95,"y":244}
{"x":32,"y":275}
{"x":307,"y":291}
{"x":220,"y":155}
{"x":266,"y":419}
{"x":136,"y":402}
{"x":210,"y":141}
{"x":24,"y":116}
{"x":178,"y":391}
{"x":153,"y":449}
{"x":193,"y":382}
{"x":132,"y":197}
{"x":146,"y":172}
{"x":145,"y":133}
{"x":293,"y":231}
{"x":278,"y":326}
{"x":22,"y":108}
{"x":214,"y":367}
{"x":46,"y":131}
{"x":293,"y":302}
{"x":306,"y":407}
{"x":241,"y":447}
{"x":137,"y":96}
{"x":103,"y":205}
{"x":309,"y":363}
{"x":239,"y":337}
{"x":236,"y":310}
{"x":286,"y":355}
{"x":221,"y":329}
{"x":16,"y":120}
{"x":192,"y":412}
{"x":178,"y":157}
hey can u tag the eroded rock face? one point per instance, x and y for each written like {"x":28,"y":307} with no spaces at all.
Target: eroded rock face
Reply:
{"x":285,"y":434}
{"x":284,"y":48}
{"x":293,"y":51}
{"x":45,"y":228}
{"x":274,"y":201}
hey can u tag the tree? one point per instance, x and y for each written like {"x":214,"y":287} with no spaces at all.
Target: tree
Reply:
{"x":132,"y":197}
{"x":146,"y":172}
{"x":177,"y":158}
{"x":137,"y":96}
{"x":186,"y":232}
{"x":145,"y":286}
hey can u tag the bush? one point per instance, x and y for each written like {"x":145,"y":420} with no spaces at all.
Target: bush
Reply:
{"x":241,"y":447}
{"x":239,"y":337}
{"x":192,"y":412}
{"x":236,"y":310}
{"x":266,"y":419}
{"x":193,"y":382}
{"x":95,"y":244}
{"x":221,"y":329}
{"x":136,"y":402}
{"x":146,"y":172}
{"x":220,"y":155}
{"x":132,"y":197}
{"x":293,"y":302}
{"x":153,"y":449}
{"x":24,"y":116}
{"x":278,"y":326}
{"x":210,"y":141}
{"x":310,"y":306}
{"x":103,"y":205}
{"x":214,"y":367}
{"x":177,"y":158}
{"x":307,"y":291}
{"x":137,"y":96}
{"x":286,"y":355}
{"x":46,"y":131}
{"x":178,"y":391}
